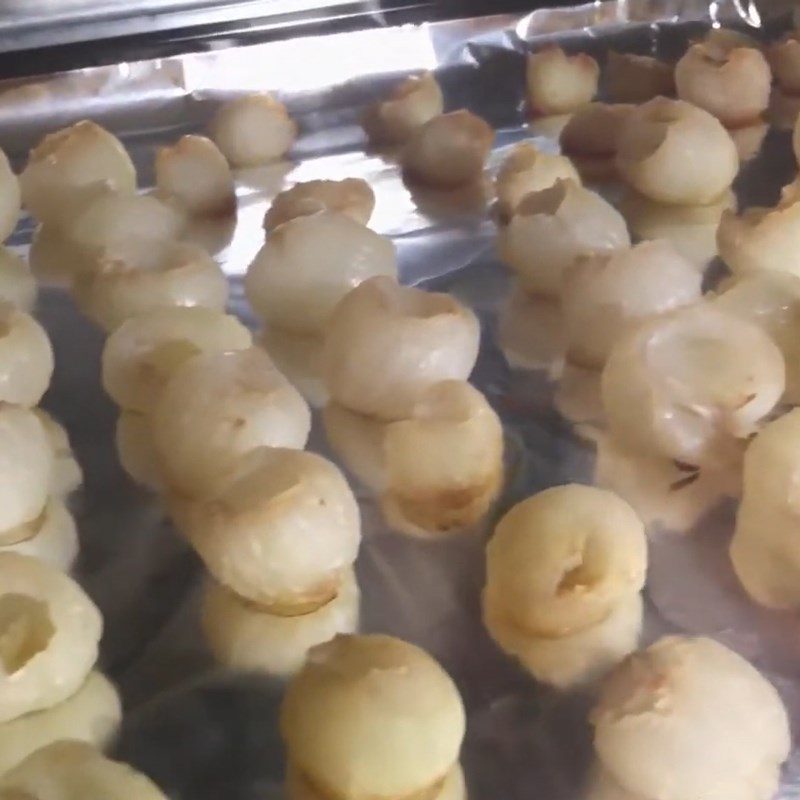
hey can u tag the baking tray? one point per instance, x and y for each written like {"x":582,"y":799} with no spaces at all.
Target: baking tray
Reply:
{"x":201,"y":733}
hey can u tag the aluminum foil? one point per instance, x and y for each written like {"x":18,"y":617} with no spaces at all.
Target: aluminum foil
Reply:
{"x":28,"y":24}
{"x":201,"y":733}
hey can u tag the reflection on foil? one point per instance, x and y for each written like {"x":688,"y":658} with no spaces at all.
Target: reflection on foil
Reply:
{"x":203,"y":734}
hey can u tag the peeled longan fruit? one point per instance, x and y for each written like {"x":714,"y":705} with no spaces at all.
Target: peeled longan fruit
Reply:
{"x":733,"y":84}
{"x":658,"y":704}
{"x":784,"y":59}
{"x":577,"y":658}
{"x":67,"y":475}
{"x":770,"y":299}
{"x":432,"y":337}
{"x":692,"y":230}
{"x":26,"y":357}
{"x":280,"y":530}
{"x":449,"y":150}
{"x":26,"y":462}
{"x":354,"y":686}
{"x":551,"y":228}
{"x":560,"y":561}
{"x":115,"y":226}
{"x":636,"y":79}
{"x":352,"y":196}
{"x":17,"y":283}
{"x":762,"y":238}
{"x":91,"y":715}
{"x":145,"y":351}
{"x":558,"y":83}
{"x":527,"y":169}
{"x":52,"y":537}
{"x":136,"y":449}
{"x":590,"y":138}
{"x":139,"y":279}
{"x":195,"y":173}
{"x":253,"y":130}
{"x":49,"y":634}
{"x":409,"y":106}
{"x":605,"y":296}
{"x":243,"y":636}
{"x":689,"y":384}
{"x":676,"y":153}
{"x":69,"y":165}
{"x":310,"y":263}
{"x":216,"y":408}
{"x":70,"y":769}
{"x":444,"y":464}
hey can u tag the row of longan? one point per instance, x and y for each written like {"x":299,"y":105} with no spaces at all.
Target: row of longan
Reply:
{"x":237,"y":492}
{"x":327,"y":284}
{"x":38,"y":468}
{"x":222,"y":432}
{"x":50,"y":689}
{"x":245,"y":487}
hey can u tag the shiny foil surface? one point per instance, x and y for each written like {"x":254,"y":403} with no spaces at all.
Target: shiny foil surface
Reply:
{"x":202,"y":733}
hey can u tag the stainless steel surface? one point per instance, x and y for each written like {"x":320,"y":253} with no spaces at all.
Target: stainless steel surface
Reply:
{"x":203,"y":734}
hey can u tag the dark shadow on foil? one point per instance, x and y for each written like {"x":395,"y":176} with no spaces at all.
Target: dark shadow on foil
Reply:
{"x":215,"y":738}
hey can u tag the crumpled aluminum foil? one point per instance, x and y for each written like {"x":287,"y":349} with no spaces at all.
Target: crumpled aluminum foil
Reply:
{"x":204,"y":734}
